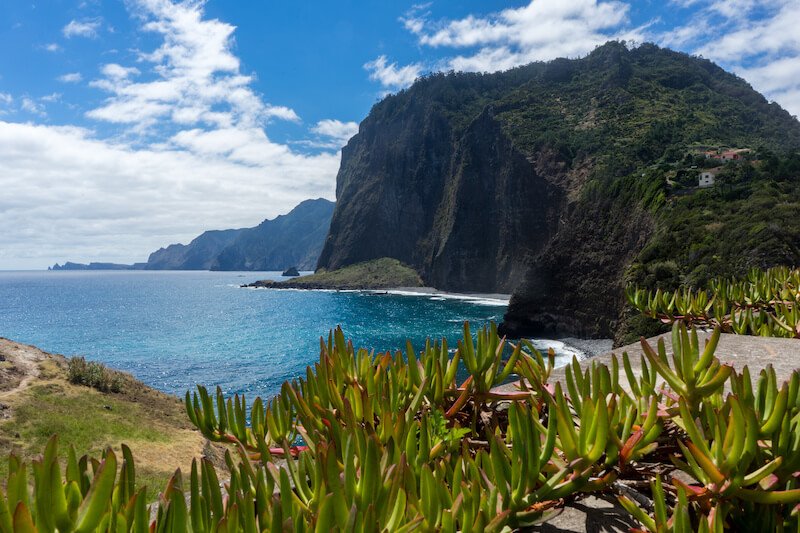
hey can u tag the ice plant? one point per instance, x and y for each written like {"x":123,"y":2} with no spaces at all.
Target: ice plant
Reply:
{"x":400,"y":442}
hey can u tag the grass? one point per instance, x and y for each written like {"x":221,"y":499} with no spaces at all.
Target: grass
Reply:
{"x":153,"y":424}
{"x":383,"y":273}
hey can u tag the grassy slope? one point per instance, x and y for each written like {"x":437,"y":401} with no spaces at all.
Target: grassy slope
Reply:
{"x":152,"y":423}
{"x":384,"y":273}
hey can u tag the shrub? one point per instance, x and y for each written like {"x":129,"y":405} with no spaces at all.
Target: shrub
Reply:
{"x":765,"y":303}
{"x":392,"y":442}
{"x":94,"y":375}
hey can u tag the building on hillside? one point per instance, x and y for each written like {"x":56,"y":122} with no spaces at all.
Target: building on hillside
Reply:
{"x":727,"y":155}
{"x":706,"y":178}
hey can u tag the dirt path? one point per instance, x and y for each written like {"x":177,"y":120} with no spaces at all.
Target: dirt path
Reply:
{"x":24,"y":368}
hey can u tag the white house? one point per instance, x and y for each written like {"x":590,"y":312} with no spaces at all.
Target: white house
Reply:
{"x":706,"y":179}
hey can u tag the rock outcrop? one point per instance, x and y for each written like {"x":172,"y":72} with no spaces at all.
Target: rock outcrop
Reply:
{"x":529,"y":180}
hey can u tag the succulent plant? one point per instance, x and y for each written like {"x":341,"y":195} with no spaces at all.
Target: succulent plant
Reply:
{"x":398,"y":442}
{"x":765,"y":303}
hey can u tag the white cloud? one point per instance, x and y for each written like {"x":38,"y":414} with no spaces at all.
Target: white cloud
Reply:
{"x":85,"y":28}
{"x":764,"y":49}
{"x":197,"y":80}
{"x":5,"y":102}
{"x":32,"y":106}
{"x":192,"y":154}
{"x":82,"y":198}
{"x":118,"y":72}
{"x":70,"y":77}
{"x":332,"y":133}
{"x":52,"y":97}
{"x":390,"y":75}
{"x":540,"y":30}
{"x":52,"y":47}
{"x":281,"y":112}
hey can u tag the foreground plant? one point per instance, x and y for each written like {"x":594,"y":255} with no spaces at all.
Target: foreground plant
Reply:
{"x":397,"y":442}
{"x":765,"y":303}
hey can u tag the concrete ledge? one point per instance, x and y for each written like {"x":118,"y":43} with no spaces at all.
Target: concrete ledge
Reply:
{"x":602,"y":512}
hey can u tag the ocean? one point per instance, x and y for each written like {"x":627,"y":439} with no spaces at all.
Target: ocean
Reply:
{"x":173,"y":330}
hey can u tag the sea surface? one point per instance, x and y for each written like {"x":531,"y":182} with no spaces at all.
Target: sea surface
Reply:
{"x":175,"y":329}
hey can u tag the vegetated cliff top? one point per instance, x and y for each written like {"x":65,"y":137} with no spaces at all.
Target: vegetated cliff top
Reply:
{"x":640,"y":101}
{"x":552,"y":174}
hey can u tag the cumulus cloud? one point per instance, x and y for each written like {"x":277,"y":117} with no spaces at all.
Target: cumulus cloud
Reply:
{"x":5,"y":103}
{"x":85,"y":28}
{"x":82,"y":198}
{"x":192,"y":153}
{"x":390,"y":75}
{"x":331,"y":134}
{"x":52,"y":47}
{"x":52,"y":97}
{"x":70,"y":77}
{"x":756,"y":39}
{"x":541,"y":30}
{"x":32,"y":106}
{"x":197,"y":81}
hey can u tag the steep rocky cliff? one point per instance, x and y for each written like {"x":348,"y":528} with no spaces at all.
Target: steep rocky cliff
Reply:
{"x":199,"y":254}
{"x":294,"y":239}
{"x":539,"y":180}
{"x":291,"y":240}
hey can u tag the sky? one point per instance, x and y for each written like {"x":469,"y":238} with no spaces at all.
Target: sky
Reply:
{"x":127,"y":125}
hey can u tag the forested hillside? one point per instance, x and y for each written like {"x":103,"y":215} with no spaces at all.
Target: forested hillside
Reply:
{"x":550,"y":180}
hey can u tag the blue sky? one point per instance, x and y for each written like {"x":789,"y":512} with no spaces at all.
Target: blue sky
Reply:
{"x":129,"y":125}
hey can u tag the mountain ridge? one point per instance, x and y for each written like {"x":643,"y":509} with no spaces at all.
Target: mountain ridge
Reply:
{"x":479,"y":181}
{"x":291,"y":240}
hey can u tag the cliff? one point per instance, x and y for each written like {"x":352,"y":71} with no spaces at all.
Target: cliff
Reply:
{"x":291,"y":240}
{"x":294,"y":239}
{"x":548,"y":180}
{"x":200,"y":254}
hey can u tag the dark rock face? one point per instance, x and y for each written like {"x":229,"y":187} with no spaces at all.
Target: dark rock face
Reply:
{"x":466,"y":218}
{"x":291,"y":272}
{"x":200,"y":254}
{"x":294,"y":239}
{"x":586,"y":263}
{"x":489,"y":182}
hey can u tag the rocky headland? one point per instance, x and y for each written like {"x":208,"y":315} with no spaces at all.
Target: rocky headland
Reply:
{"x":554,"y":181}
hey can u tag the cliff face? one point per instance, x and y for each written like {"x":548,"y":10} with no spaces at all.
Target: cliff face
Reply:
{"x":291,"y":240}
{"x":294,"y":239}
{"x":199,"y":254}
{"x":534,"y":180}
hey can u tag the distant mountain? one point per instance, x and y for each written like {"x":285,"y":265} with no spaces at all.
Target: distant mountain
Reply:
{"x":199,"y":254}
{"x":294,"y":239}
{"x":291,"y":240}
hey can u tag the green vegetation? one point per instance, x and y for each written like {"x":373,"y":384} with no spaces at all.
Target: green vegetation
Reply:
{"x":153,"y":424}
{"x":624,"y":109}
{"x":766,"y":303}
{"x":748,"y":219}
{"x":384,"y":273}
{"x":93,"y":374}
{"x":392,"y":442}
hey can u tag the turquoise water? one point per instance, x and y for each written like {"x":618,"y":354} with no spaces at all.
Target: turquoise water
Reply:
{"x":175,"y":329}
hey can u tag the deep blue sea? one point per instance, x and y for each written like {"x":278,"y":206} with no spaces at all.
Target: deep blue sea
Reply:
{"x":174,"y":329}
